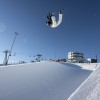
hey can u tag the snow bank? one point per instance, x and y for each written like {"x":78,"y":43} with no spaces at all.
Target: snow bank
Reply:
{"x":40,"y":81}
{"x":90,"y":88}
{"x":88,"y":66}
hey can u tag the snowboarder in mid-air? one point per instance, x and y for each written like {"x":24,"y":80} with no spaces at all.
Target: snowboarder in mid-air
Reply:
{"x":52,"y":19}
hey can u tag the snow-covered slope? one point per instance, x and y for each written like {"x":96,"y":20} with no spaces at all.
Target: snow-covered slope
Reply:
{"x":90,"y":88}
{"x":88,"y":66}
{"x":40,"y":81}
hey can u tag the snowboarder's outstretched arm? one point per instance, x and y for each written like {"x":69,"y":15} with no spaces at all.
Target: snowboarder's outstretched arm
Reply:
{"x":60,"y":18}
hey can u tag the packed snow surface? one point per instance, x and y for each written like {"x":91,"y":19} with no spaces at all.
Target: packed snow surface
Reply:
{"x":88,"y":66}
{"x":41,"y":81}
{"x":90,"y":88}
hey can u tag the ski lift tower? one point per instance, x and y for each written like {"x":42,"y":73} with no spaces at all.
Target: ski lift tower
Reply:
{"x":5,"y":59}
{"x":38,"y":57}
{"x":12,"y":46}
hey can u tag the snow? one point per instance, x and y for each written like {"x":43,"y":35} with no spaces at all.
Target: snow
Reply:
{"x":41,"y":81}
{"x":90,"y":88}
{"x":88,"y":66}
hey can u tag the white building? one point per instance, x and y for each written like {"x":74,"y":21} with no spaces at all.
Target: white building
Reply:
{"x":75,"y":57}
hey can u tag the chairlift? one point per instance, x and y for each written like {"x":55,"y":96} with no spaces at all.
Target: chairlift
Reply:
{"x":9,"y":54}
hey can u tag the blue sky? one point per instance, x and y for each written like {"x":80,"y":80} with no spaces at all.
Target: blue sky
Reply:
{"x":79,"y":30}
